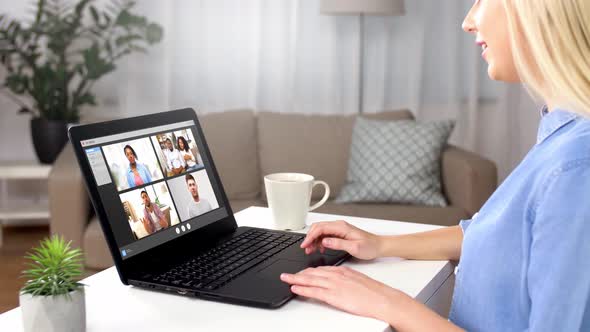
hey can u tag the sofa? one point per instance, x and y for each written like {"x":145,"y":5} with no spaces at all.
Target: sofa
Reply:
{"x":246,"y":145}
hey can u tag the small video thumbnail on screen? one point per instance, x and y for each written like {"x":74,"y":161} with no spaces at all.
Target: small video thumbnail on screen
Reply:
{"x":132,"y":163}
{"x":178,"y":152}
{"x":149,"y":209}
{"x":193,"y":194}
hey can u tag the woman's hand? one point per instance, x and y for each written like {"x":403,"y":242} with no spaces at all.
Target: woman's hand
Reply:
{"x":339,"y":235}
{"x":345,"y":289}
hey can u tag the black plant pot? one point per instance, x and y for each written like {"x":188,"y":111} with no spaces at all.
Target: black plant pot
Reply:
{"x":49,"y":138}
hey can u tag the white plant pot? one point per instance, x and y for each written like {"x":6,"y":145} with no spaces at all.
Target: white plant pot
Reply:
{"x":54,"y":313}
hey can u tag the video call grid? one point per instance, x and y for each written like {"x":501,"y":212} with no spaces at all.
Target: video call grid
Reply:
{"x":166,"y":178}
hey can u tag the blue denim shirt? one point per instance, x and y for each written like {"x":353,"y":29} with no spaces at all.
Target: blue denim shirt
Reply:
{"x":525,"y":260}
{"x":143,"y":171}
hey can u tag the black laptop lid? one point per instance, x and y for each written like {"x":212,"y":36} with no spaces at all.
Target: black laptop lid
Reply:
{"x":154,"y":187}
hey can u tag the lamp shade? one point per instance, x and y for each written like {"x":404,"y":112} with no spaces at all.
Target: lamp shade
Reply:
{"x":367,"y":7}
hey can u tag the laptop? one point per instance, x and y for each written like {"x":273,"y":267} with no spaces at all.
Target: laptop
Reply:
{"x":167,"y":220}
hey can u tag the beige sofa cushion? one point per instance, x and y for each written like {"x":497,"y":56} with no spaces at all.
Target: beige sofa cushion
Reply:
{"x":314,"y":144}
{"x":231,"y":137}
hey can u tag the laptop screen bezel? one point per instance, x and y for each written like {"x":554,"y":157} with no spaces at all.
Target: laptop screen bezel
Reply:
{"x":177,"y":249}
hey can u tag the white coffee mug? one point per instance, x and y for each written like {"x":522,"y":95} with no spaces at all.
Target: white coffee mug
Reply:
{"x":289,"y":197}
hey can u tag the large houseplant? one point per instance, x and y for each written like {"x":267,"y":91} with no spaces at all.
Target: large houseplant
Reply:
{"x":52,"y":299}
{"x":53,"y":60}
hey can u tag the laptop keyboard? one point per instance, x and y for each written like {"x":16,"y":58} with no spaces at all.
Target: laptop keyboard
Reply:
{"x":218,"y":266}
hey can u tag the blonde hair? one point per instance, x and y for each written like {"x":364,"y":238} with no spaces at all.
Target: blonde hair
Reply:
{"x":551,"y":49}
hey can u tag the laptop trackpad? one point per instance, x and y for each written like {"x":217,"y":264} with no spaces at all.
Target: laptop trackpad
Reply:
{"x":274,"y":270}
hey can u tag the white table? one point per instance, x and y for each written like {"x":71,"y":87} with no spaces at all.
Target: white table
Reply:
{"x":22,"y":212}
{"x":111,"y":306}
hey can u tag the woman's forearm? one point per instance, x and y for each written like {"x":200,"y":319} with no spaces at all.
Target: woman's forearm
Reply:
{"x":444,"y":243}
{"x":407,"y":314}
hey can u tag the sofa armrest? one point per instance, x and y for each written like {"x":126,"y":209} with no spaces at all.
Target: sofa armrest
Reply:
{"x":468,"y":179}
{"x":69,"y":205}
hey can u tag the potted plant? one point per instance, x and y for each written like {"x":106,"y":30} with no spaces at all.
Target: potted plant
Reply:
{"x":54,"y":59}
{"x":52,"y":299}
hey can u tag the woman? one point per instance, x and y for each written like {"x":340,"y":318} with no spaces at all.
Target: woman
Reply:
{"x":523,"y":259}
{"x":137,"y":173}
{"x":187,"y":156}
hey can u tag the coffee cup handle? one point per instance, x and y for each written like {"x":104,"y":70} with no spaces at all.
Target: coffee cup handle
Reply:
{"x":326,"y":195}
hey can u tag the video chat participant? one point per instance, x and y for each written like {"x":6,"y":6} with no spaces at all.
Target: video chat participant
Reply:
{"x":187,"y":155}
{"x":174,"y":158}
{"x":198,"y":205}
{"x":153,"y":218}
{"x":137,"y":173}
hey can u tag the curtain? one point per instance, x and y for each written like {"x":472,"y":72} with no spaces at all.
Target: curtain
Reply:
{"x":286,"y":56}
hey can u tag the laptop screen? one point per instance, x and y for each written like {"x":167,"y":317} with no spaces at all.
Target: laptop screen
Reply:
{"x":154,"y":184}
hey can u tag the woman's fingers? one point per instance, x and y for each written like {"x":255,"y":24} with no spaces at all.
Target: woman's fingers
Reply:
{"x":309,"y":238}
{"x":307,"y":280}
{"x":313,"y":246}
{"x":315,"y":283}
{"x":332,"y":228}
{"x":323,"y":271}
{"x":320,"y":294}
{"x":323,"y":276}
{"x":336,"y":274}
{"x":342,"y":271}
{"x":338,"y":286}
{"x":339,"y":244}
{"x":336,"y":269}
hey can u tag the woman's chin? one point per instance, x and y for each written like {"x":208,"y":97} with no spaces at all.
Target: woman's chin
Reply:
{"x":496,"y":75}
{"x":502,"y":75}
{"x":493,"y":73}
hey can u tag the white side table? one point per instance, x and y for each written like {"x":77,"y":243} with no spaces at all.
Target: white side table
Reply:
{"x":22,"y":212}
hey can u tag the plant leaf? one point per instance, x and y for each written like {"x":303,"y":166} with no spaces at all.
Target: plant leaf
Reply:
{"x":154,"y":33}
{"x":94,"y":14}
{"x":127,"y":39}
{"x":54,"y":264}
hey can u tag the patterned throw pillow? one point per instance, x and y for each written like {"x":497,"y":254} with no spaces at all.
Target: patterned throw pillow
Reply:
{"x":396,"y":161}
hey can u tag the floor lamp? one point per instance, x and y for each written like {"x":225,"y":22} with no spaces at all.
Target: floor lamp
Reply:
{"x":362,"y":8}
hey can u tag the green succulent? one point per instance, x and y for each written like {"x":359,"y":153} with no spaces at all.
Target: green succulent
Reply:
{"x":54,"y":268}
{"x":55,"y":58}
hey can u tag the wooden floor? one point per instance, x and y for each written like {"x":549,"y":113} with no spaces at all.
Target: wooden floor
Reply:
{"x":17,"y":241}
